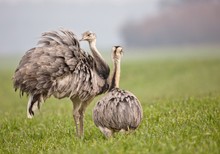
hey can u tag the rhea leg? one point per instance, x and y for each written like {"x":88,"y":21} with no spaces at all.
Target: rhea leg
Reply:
{"x":76,"y":115}
{"x":81,"y":118}
{"x":107,"y":132}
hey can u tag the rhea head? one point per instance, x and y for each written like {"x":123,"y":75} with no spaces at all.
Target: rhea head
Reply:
{"x":117,"y":52}
{"x":88,"y":36}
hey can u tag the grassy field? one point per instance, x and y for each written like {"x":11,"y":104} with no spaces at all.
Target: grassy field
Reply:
{"x":179,"y":93}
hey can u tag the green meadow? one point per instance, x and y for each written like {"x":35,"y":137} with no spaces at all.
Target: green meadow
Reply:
{"x":179,"y":90}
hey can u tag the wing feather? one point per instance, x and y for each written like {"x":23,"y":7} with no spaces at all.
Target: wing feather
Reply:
{"x":57,"y":54}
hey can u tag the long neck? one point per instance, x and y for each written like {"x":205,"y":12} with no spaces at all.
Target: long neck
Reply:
{"x":116,"y":75}
{"x":101,"y":66}
{"x":96,"y":54}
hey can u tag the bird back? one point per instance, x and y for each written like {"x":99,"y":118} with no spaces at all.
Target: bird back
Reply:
{"x":119,"y":109}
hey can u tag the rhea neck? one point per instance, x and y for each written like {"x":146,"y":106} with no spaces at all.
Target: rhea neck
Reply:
{"x":96,"y":54}
{"x":116,"y":74}
{"x":100,"y":65}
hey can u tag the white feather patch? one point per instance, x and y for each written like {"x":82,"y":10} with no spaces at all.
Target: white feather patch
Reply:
{"x":28,"y":106}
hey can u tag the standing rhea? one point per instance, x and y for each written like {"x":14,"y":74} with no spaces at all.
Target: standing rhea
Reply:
{"x":119,"y":110}
{"x":59,"y":67}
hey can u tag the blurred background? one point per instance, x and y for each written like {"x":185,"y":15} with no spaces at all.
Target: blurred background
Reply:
{"x":23,"y":21}
{"x":131,"y":23}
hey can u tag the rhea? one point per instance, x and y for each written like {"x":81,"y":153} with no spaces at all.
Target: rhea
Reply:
{"x":118,"y":110}
{"x":58,"y":67}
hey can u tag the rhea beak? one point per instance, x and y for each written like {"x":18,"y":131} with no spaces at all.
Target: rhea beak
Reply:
{"x":82,"y":39}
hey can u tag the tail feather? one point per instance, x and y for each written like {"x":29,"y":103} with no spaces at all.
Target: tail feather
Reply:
{"x":33,"y":105}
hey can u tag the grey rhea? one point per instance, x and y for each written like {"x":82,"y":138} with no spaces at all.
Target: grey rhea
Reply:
{"x":58,"y":67}
{"x":118,"y":110}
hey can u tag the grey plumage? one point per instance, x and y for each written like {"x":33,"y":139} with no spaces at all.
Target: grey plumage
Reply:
{"x":59,"y":67}
{"x":118,"y":110}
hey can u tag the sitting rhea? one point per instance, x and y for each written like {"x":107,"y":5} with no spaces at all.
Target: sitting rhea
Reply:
{"x":119,"y":110}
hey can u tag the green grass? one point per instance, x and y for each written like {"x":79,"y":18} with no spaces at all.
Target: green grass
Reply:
{"x":180,"y":96}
